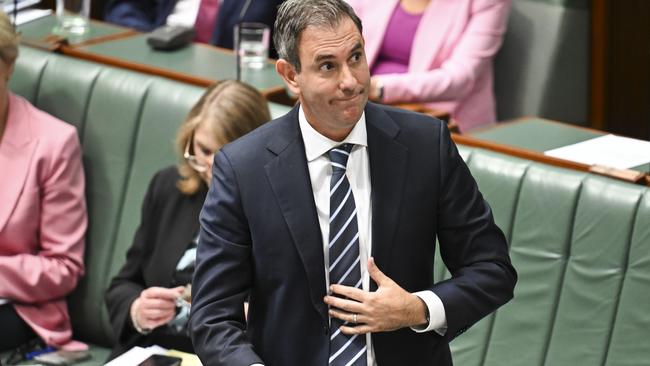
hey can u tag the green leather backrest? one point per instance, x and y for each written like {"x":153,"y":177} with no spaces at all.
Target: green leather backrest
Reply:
{"x":629,"y":339}
{"x":581,"y":246}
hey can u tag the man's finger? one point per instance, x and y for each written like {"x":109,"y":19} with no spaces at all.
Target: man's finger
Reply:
{"x":350,"y":306}
{"x":359,"y":329}
{"x":343,"y":315}
{"x":377,"y":275}
{"x":349,"y":292}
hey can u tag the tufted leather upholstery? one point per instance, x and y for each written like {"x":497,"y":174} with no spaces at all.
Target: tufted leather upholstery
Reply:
{"x":581,"y":246}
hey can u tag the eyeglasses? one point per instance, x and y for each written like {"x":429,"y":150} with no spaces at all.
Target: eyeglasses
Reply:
{"x":192,"y":160}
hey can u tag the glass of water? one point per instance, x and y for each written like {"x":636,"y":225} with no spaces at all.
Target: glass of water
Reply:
{"x":252,"y":44}
{"x":72,"y":17}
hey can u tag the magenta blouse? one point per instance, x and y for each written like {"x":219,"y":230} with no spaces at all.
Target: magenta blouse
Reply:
{"x":395,"y":51}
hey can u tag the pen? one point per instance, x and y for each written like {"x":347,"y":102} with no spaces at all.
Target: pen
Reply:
{"x":32,"y":354}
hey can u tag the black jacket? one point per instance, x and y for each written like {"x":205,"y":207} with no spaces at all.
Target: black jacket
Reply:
{"x":260,"y":235}
{"x":168,"y":224}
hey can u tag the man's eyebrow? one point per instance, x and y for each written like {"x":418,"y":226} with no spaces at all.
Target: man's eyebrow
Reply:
{"x":324,"y":57}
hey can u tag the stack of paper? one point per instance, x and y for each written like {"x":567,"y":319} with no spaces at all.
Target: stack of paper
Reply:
{"x":136,"y":355}
{"x":609,"y":150}
{"x":23,"y":14}
{"x":8,"y":5}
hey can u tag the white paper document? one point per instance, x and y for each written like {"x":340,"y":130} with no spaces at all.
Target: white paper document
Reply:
{"x":28,"y":15}
{"x":8,"y":5}
{"x":135,"y":355}
{"x":609,"y":150}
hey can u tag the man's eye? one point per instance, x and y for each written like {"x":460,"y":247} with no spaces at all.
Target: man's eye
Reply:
{"x":356,"y":57}
{"x":326,"y":66}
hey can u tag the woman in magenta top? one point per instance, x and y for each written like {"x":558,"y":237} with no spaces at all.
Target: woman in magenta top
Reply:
{"x":437,"y":52}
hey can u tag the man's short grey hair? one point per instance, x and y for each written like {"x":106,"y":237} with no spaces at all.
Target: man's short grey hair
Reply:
{"x":296,"y":15}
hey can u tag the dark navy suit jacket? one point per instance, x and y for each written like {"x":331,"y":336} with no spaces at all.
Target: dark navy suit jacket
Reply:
{"x":260,"y":232}
{"x":146,"y":15}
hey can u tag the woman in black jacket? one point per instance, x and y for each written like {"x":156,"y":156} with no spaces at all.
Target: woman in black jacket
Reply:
{"x":148,"y":301}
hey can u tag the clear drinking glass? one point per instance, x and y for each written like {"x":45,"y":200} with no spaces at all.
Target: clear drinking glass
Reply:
{"x":252,"y":44}
{"x":72,"y":17}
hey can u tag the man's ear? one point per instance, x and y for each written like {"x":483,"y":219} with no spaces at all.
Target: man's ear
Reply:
{"x":288,"y":73}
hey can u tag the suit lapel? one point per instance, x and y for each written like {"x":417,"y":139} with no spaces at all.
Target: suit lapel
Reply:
{"x":289,"y":178}
{"x":440,"y":14}
{"x":388,"y":159}
{"x":16,"y":151}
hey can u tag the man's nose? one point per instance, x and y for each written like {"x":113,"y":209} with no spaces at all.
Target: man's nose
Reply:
{"x":348,"y":81}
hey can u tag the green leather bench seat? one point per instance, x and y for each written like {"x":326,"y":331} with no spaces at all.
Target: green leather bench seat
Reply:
{"x":581,"y":243}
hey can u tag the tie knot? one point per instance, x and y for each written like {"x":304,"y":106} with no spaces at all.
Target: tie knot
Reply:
{"x":339,"y":156}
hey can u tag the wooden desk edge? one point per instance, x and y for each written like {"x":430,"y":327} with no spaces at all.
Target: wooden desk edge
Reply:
{"x":625,"y":175}
{"x":519,"y":120}
{"x":153,"y":70}
{"x":107,"y":38}
{"x":146,"y":69}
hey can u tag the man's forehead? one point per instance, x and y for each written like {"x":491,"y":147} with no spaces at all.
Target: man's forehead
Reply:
{"x":323,"y":39}
{"x":344,"y":26}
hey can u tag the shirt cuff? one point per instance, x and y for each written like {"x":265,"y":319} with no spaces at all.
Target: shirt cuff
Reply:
{"x":437,"y":316}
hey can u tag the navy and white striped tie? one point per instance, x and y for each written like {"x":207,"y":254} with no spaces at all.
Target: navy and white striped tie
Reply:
{"x":344,"y":266}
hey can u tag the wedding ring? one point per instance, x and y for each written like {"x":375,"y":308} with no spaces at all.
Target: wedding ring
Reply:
{"x":354,"y":318}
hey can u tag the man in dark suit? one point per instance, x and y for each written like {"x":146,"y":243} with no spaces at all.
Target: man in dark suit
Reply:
{"x":326,"y":219}
{"x":146,"y":15}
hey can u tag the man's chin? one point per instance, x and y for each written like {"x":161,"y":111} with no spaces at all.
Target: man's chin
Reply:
{"x":352,"y":110}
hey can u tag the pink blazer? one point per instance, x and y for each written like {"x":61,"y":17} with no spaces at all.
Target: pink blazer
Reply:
{"x":451,"y":59}
{"x":42,"y":219}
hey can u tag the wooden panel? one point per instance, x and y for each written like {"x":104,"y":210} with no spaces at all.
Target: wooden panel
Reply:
{"x":598,"y":59}
{"x":620,"y":76}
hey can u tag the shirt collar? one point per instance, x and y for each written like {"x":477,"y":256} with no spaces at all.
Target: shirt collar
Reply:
{"x":317,"y":144}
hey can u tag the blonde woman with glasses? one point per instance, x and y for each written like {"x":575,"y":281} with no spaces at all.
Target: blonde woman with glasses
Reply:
{"x":148,"y":300}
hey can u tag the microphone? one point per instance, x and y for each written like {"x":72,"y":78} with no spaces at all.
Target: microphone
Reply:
{"x":242,"y":13}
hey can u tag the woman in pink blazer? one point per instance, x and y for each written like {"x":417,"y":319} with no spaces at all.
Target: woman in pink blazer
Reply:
{"x":449,"y":46}
{"x":42,"y":215}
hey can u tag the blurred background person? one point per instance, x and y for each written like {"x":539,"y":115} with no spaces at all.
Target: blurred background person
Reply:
{"x":213,"y":20}
{"x":143,"y":299}
{"x":435,"y":52}
{"x":43,"y":215}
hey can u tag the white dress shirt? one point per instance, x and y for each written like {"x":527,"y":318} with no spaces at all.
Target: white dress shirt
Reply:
{"x":358,"y":174}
